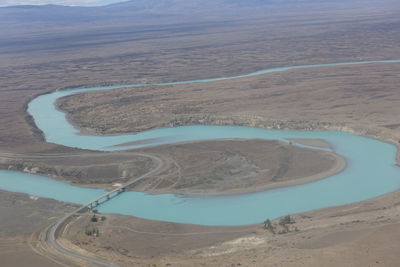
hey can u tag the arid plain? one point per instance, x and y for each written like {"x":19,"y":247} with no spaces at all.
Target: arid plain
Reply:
{"x":362,"y":99}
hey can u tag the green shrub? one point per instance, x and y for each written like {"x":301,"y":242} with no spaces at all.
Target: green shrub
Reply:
{"x":268,"y":225}
{"x":94,"y":218}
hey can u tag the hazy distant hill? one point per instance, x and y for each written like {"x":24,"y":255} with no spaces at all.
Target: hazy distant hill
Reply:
{"x":146,"y":8}
{"x":62,"y":26}
{"x":149,"y":8}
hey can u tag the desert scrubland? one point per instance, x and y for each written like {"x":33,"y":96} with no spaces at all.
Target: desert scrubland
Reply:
{"x":40,"y":54}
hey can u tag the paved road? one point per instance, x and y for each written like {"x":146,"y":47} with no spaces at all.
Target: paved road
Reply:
{"x":53,"y":232}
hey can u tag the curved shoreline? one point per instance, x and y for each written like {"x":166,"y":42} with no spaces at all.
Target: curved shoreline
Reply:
{"x":324,"y":126}
{"x":59,"y":131}
{"x":301,"y":126}
{"x":339,"y":166}
{"x":301,"y":194}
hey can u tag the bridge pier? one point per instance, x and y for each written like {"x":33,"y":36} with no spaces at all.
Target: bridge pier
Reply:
{"x":105,"y":198}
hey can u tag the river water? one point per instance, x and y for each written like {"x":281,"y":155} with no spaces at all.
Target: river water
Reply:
{"x":370,"y":171}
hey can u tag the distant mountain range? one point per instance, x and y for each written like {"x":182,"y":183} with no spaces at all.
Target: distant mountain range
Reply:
{"x":142,"y":9}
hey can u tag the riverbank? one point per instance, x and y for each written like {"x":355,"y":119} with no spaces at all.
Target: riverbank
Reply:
{"x":219,"y":167}
{"x":235,"y":166}
{"x":368,"y":229}
{"x":386,"y":134}
{"x":352,"y":235}
{"x":343,"y":33}
{"x":84,"y":169}
{"x":278,"y":102}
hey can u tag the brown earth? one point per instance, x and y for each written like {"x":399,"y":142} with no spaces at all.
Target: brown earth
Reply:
{"x":364,"y":99}
{"x":361,"y":234}
{"x":211,"y":167}
{"x":95,"y":169}
{"x":360,"y":98}
{"x":22,"y":218}
{"x":37,"y":59}
{"x":237,"y":166}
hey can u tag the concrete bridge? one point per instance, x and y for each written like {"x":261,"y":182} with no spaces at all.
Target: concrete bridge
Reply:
{"x":104,"y":198}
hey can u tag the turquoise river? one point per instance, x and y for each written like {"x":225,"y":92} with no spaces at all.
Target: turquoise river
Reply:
{"x":370,"y":171}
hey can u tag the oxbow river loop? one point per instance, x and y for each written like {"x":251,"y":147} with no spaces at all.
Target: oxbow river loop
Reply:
{"x":370,"y":171}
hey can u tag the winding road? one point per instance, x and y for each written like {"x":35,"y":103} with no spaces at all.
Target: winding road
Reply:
{"x":52,"y":233}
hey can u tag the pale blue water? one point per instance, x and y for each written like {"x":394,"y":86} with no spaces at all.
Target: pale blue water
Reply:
{"x":370,"y":173}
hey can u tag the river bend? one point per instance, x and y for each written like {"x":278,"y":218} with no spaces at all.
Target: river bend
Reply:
{"x":370,"y":172}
